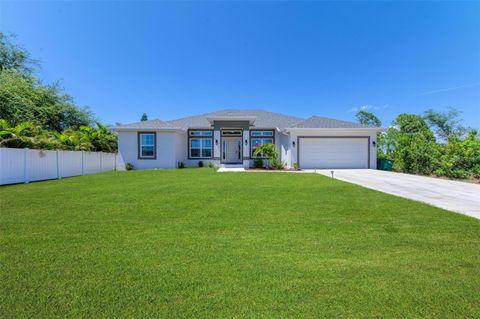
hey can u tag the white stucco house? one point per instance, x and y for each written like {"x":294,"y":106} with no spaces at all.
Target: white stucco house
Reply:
{"x":229,"y":137}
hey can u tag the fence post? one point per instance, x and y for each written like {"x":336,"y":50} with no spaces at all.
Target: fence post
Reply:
{"x":101,"y":162}
{"x":82,"y":165}
{"x":58,"y":167}
{"x":25,"y":165}
{"x":115,"y":163}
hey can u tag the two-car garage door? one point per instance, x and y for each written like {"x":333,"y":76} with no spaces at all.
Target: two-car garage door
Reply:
{"x":333,"y":152}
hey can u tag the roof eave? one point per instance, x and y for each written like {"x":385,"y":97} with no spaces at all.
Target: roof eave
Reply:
{"x":139,"y":129}
{"x":338,"y":129}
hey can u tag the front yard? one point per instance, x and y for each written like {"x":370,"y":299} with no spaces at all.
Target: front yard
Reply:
{"x":194,"y":243}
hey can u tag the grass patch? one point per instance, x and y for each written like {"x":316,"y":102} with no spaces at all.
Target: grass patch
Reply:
{"x":194,"y":243}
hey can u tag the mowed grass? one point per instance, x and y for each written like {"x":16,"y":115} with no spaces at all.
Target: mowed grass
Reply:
{"x":195,"y":243}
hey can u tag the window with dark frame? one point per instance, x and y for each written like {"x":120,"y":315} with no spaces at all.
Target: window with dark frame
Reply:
{"x":147,"y":142}
{"x":200,"y":144}
{"x":259,"y":138}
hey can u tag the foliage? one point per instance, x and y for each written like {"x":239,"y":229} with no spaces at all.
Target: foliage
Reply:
{"x":144,"y":117}
{"x":211,"y":165}
{"x":129,"y":166}
{"x":33,"y":136}
{"x":445,"y":124}
{"x":257,"y":163}
{"x":295,"y":166}
{"x":200,"y":163}
{"x":181,"y":165}
{"x":368,"y":118}
{"x":24,"y":98}
{"x":15,"y":57}
{"x":271,"y":153}
{"x":460,"y":158}
{"x":411,"y":144}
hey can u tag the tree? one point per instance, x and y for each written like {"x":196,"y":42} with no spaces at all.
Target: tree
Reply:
{"x":368,"y":118}
{"x":411,"y":144}
{"x":24,"y":98}
{"x":445,"y":124}
{"x":15,"y":57}
{"x":144,"y":117}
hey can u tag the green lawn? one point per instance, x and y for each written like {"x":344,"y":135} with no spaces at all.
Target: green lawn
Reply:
{"x":195,"y":243}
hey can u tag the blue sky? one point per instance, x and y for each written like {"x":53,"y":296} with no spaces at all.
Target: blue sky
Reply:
{"x":173,"y":59}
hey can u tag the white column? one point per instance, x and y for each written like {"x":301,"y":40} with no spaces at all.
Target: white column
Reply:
{"x":216,"y":144}
{"x":246,"y":147}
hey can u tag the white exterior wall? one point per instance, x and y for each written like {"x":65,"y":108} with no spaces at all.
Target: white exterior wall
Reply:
{"x":370,"y":133}
{"x":166,"y":150}
{"x":286,"y":149}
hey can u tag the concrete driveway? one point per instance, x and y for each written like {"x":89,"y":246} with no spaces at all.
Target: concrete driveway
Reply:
{"x":455,"y":196}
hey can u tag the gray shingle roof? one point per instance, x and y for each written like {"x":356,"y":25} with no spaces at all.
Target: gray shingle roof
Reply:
{"x":147,"y":125}
{"x":323,"y":122}
{"x":263,"y":119}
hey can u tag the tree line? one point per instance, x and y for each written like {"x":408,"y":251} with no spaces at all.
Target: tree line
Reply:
{"x":38,"y":115}
{"x":435,"y":143}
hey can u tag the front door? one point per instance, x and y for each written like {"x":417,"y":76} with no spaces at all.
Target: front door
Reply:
{"x":232,"y":150}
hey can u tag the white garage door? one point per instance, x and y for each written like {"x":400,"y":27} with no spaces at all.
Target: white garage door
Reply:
{"x":333,"y":152}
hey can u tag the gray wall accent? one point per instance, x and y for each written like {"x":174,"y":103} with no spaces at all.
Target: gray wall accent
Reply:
{"x":217,"y":125}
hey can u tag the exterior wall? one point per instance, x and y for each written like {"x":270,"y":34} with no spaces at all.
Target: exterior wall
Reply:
{"x":372,"y":134}
{"x":166,"y":150}
{"x":286,"y":149}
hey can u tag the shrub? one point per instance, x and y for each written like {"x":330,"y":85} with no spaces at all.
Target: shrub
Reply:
{"x":270,"y":151}
{"x":295,"y":166}
{"x":129,"y":166}
{"x":211,"y":165}
{"x":258,"y":163}
{"x":181,"y":165}
{"x":200,"y":163}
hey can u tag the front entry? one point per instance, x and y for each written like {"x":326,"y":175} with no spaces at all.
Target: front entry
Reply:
{"x":232,"y":150}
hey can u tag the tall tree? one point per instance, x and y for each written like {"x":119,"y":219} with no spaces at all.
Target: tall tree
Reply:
{"x":15,"y":57}
{"x":24,"y":98}
{"x":144,"y":117}
{"x":445,"y":124}
{"x":368,"y":118}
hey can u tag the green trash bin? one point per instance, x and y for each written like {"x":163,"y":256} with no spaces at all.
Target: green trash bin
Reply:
{"x":384,"y":164}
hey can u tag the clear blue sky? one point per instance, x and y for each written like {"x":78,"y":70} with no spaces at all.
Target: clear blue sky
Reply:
{"x":174,"y":59}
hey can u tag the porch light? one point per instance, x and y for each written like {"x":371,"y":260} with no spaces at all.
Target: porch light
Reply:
{"x":216,"y":142}
{"x":246,"y":142}
{"x":374,"y":143}
{"x":293,"y":143}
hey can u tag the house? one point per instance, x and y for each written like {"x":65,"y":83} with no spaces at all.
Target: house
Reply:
{"x":229,"y":137}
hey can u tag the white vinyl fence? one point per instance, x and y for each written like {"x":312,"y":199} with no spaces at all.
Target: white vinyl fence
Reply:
{"x":23,"y":165}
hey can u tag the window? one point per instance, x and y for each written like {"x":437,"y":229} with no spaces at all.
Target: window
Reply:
{"x":232,"y":133}
{"x":147,"y":145}
{"x":259,"y":138}
{"x":262,"y":133}
{"x":200,"y":144}
{"x":201,"y":133}
{"x":200,"y":148}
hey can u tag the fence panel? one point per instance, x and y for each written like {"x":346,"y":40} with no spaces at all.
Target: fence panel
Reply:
{"x":108,"y":161}
{"x":91,"y":163}
{"x":70,"y":163}
{"x":41,"y":165}
{"x":25,"y":165}
{"x":12,"y":165}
